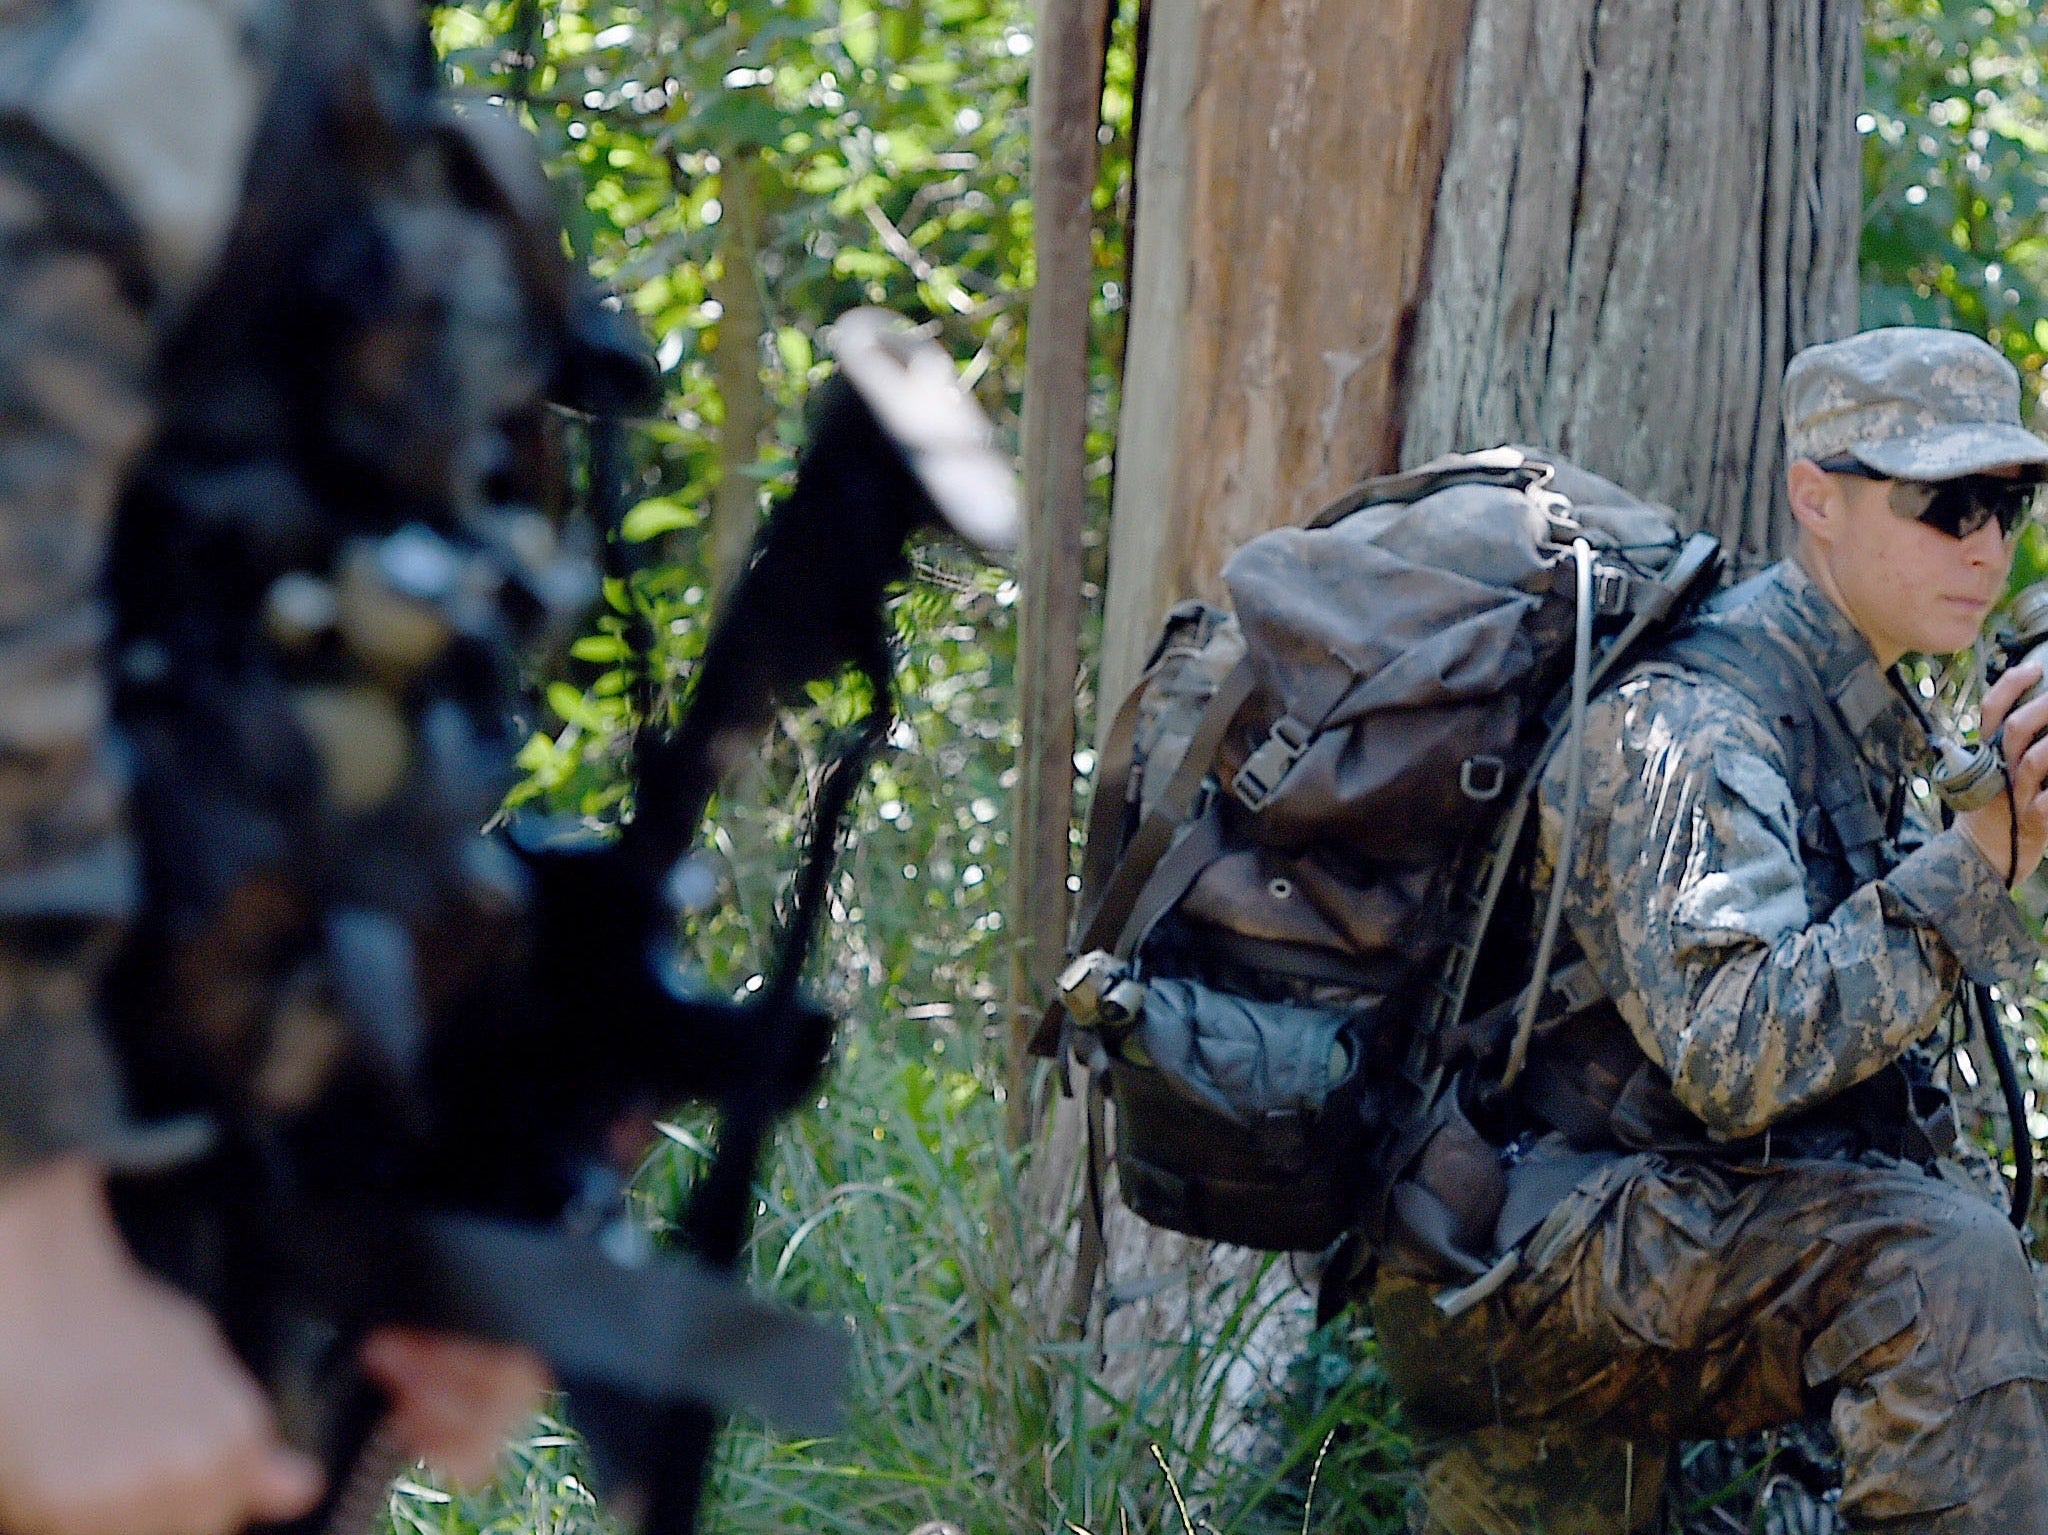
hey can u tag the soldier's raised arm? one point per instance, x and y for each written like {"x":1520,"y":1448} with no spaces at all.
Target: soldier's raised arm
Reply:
{"x":126,"y":132}
{"x":1696,"y":912}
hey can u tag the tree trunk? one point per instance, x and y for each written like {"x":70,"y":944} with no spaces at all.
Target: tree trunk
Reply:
{"x":1066,"y":107}
{"x":1287,"y":161}
{"x":1647,"y":207}
{"x":742,"y":321}
{"x":1641,"y":209}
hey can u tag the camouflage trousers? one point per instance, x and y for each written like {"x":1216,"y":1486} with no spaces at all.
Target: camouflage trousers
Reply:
{"x":1664,"y":1301}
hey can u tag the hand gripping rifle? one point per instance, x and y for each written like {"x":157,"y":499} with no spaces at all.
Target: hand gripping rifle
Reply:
{"x":473,"y":1181}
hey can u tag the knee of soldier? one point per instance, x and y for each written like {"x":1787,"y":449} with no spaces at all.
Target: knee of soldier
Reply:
{"x":1980,"y":1249}
{"x":1975,"y":1281}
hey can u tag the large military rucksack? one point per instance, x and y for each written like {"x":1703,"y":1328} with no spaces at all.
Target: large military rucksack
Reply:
{"x":1304,"y":822}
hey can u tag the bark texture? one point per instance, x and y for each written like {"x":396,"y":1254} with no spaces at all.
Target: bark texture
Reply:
{"x":1288,"y":156}
{"x":742,"y":321}
{"x":1287,"y":159}
{"x":1648,"y":206}
{"x":1066,"y":107}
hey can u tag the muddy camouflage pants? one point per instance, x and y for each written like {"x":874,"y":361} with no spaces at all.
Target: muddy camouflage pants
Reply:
{"x":1665,"y":1301}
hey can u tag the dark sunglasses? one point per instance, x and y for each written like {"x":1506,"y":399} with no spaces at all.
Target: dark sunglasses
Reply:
{"x":1957,"y":507}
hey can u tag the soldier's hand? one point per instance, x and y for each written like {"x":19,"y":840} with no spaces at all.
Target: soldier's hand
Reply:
{"x":2024,"y":734}
{"x":122,"y":1411}
{"x":454,"y":1401}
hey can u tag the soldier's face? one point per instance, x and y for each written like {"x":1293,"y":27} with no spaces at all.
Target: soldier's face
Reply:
{"x":1904,"y":585}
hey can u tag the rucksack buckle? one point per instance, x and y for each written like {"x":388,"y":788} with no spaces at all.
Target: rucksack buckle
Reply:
{"x":1611,"y":587}
{"x":1260,"y":777}
{"x":1483,"y":777}
{"x":1556,"y":509}
{"x":1099,"y":991}
{"x":1614,"y":589}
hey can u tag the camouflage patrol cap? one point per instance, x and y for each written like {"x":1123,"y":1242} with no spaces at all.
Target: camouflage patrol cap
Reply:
{"x":1911,"y":403}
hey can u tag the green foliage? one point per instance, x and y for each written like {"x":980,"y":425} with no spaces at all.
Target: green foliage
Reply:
{"x":891,"y":174}
{"x":895,"y":1206}
{"x":1955,"y":158}
{"x":886,"y":142}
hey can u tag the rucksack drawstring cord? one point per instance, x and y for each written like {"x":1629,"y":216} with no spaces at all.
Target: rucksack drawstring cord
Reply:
{"x":1574,"y":804}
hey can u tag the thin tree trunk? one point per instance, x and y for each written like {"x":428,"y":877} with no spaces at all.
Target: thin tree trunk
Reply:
{"x":1066,"y":108}
{"x":1647,"y":207}
{"x":743,"y":319}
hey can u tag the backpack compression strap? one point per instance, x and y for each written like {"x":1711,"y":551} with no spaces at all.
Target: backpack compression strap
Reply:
{"x":1508,"y":468}
{"x":1172,"y":810}
{"x":1155,"y":834}
{"x":1115,"y":882}
{"x":1102,"y":836}
{"x":1261,"y":775}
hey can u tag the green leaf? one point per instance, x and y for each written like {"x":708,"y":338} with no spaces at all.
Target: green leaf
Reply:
{"x":567,"y":702}
{"x":794,"y":347}
{"x":656,"y":516}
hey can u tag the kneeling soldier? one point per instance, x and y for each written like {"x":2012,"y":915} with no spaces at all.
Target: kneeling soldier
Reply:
{"x":1773,"y":1223}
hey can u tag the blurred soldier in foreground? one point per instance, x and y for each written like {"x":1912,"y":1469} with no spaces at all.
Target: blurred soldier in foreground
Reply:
{"x":286,"y":348}
{"x":275,"y":332}
{"x":1766,"y":1218}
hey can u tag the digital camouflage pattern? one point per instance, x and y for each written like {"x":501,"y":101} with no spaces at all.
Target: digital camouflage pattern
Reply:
{"x":1690,"y":892}
{"x":1695,"y":1292}
{"x":278,"y":331}
{"x":1667,"y":1300}
{"x":86,"y":288}
{"x":1911,"y":403}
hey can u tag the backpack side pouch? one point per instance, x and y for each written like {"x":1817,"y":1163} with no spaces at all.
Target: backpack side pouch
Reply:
{"x":1263,"y":1097}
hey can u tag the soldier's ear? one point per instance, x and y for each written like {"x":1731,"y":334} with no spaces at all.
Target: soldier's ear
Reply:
{"x":1816,"y":502}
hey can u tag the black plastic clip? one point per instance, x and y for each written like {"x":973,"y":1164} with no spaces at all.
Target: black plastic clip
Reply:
{"x":1263,"y":771}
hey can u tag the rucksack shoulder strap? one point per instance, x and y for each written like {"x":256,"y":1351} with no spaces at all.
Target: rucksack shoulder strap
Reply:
{"x":1784,"y":691}
{"x":1665,"y":599}
{"x":1827,"y":767}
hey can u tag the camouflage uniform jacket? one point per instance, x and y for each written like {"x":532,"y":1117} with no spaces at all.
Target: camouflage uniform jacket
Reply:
{"x":1691,"y":894}
{"x":125,"y":126}
{"x":271,"y":313}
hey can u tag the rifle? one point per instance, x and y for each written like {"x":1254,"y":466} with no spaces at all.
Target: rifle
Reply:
{"x":403,"y":1196}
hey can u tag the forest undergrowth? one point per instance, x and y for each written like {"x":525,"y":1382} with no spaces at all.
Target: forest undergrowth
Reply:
{"x":778,"y":161}
{"x":893,"y":1202}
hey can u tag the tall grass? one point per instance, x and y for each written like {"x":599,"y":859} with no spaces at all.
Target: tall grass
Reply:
{"x":893,"y":1203}
{"x":895,"y":1206}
